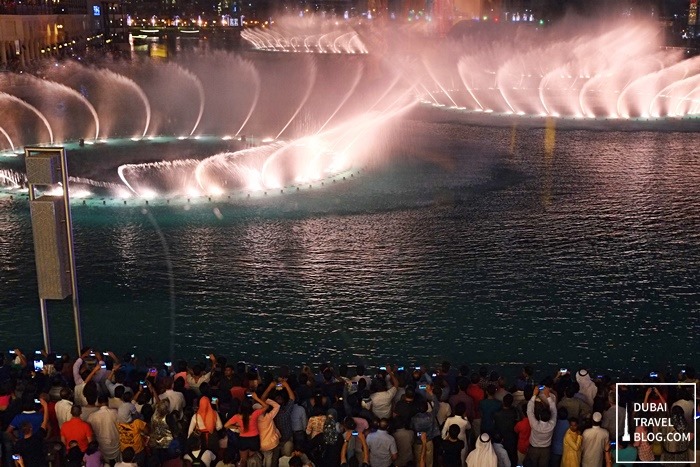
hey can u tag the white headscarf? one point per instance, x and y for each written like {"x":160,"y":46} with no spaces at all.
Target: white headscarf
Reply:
{"x":587,"y":386}
{"x":483,"y":455}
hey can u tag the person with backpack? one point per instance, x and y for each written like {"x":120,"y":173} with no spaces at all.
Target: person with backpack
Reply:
{"x":197,"y":456}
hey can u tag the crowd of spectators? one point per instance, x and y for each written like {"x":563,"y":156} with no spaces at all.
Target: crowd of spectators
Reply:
{"x":99,"y":409}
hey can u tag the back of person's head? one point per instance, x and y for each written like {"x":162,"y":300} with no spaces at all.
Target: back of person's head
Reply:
{"x":93,"y":447}
{"x":384,"y":424}
{"x":90,"y":392}
{"x":528,"y":392}
{"x":102,"y":399}
{"x":119,"y":392}
{"x":475,"y":378}
{"x":181,"y":366}
{"x":491,"y":390}
{"x":570,"y":391}
{"x":296,"y":461}
{"x":453,"y":431}
{"x":128,"y":455}
{"x":179,"y":384}
{"x":527,"y":371}
{"x":410,"y":392}
{"x":197,"y":369}
{"x":542,"y":412}
{"x":349,"y":423}
{"x":437,"y":392}
{"x":508,"y":401}
{"x":127,"y":396}
{"x":361,"y":370}
{"x":76,"y":411}
{"x":463,"y":383}
{"x":496,"y":437}
{"x":460,"y":409}
{"x":66,"y":394}
{"x":562,"y":413}
{"x":120,"y":376}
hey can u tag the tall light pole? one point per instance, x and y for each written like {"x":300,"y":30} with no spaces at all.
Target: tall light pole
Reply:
{"x":52,"y":229}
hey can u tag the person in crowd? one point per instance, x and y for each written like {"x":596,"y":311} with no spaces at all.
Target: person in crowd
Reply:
{"x":162,"y":428}
{"x":462,"y":396}
{"x":382,"y":397}
{"x":197,"y":452}
{"x":476,"y":393}
{"x":587,"y":387}
{"x":453,"y":446}
{"x":93,"y":456}
{"x":133,"y":434}
{"x":197,"y":375}
{"x":523,"y":430}
{"x":382,"y":446}
{"x":574,"y":406}
{"x":542,"y":417}
{"x":176,"y":400}
{"x":407,"y":407}
{"x":405,"y":439}
{"x":28,"y":414}
{"x":623,"y":452}
{"x":596,"y":441}
{"x":505,"y":421}
{"x":104,"y":427}
{"x":206,"y":423}
{"x":460,"y":420}
{"x":30,"y":447}
{"x":501,"y":453}
{"x":571,"y":455}
{"x":425,"y":421}
{"x":483,"y":455}
{"x":76,"y":430}
{"x":354,"y":451}
{"x":269,"y":433}
{"x":246,"y":423}
{"x":560,"y":430}
{"x":488,"y":408}
{"x":63,"y":406}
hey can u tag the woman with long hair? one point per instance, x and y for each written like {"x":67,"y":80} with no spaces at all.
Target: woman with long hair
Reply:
{"x":246,"y":424}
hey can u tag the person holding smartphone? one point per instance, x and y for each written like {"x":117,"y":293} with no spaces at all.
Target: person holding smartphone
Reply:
{"x":29,"y":450}
{"x":246,"y":422}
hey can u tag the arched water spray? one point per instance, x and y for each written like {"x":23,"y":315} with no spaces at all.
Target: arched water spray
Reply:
{"x":306,"y":96}
{"x":442,"y":88}
{"x":10,"y":97}
{"x":137,"y":89}
{"x":358,"y":76}
{"x":462,"y":70}
{"x":256,"y":96}
{"x":62,"y":88}
{"x":9,"y":140}
{"x":200,"y":91}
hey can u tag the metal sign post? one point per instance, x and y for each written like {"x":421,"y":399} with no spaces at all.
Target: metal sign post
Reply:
{"x":52,"y":229}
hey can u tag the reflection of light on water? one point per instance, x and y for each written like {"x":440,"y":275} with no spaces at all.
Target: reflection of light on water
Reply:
{"x":181,"y":137}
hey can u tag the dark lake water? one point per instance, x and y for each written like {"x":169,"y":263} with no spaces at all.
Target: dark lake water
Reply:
{"x":473,"y":244}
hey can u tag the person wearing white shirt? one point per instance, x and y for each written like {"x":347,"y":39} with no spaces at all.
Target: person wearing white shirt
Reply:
{"x":104,"y":427}
{"x":63,"y":407}
{"x":594,"y":444}
{"x":462,"y":422}
{"x":177,"y":399}
{"x":383,"y":398}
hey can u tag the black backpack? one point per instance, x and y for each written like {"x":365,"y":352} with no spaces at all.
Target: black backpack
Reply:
{"x":196,"y":461}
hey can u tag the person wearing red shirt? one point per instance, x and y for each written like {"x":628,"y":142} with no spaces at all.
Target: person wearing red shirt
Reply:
{"x":246,"y":423}
{"x":522,"y":428}
{"x":477,"y":394}
{"x":76,"y":430}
